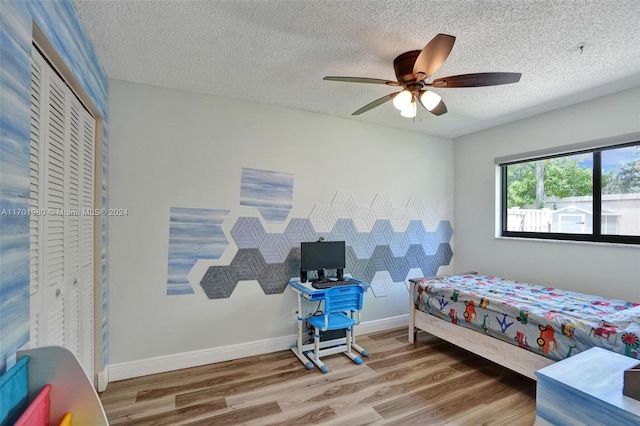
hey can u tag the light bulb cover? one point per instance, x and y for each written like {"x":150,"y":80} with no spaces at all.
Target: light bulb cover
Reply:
{"x":430,"y":100}
{"x":410,"y":111}
{"x":402,"y":100}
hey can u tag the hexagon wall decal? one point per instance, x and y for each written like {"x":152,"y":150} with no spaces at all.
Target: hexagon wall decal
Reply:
{"x":384,"y":245}
{"x":344,"y":230}
{"x":415,"y":256}
{"x":415,"y":232}
{"x":364,"y":218}
{"x":430,"y":266}
{"x":248,"y":232}
{"x":382,"y":258}
{"x":430,"y":243}
{"x":361,"y":269}
{"x":380,"y":283}
{"x":363,"y":245}
{"x":444,"y":254}
{"x":323,"y":218}
{"x":382,"y":206}
{"x":275,"y":248}
{"x":274,"y":278}
{"x":292,"y":262}
{"x":382,"y":232}
{"x":398,"y":269}
{"x":415,"y":208}
{"x":299,"y":230}
{"x":343,"y":205}
{"x":430,"y":220}
{"x":248,"y":264}
{"x":444,"y":231}
{"x":399,"y":220}
{"x":399,"y":244}
{"x":219,"y":282}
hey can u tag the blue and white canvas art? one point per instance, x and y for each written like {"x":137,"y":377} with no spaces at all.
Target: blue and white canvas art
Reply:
{"x":271,"y":192}
{"x":194,"y":234}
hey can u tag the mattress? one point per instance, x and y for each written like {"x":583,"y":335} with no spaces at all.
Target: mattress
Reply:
{"x":551,"y":322}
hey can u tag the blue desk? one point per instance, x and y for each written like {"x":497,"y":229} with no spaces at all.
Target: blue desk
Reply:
{"x":307,"y":292}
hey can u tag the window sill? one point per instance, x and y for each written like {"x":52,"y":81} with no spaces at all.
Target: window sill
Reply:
{"x":587,"y":243}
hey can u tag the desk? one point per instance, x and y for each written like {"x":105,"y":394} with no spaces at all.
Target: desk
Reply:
{"x":306,"y":291}
{"x":586,"y":389}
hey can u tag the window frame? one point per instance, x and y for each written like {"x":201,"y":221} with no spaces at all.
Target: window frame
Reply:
{"x":596,"y":235}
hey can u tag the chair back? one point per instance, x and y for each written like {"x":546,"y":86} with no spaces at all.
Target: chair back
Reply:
{"x":343,"y":299}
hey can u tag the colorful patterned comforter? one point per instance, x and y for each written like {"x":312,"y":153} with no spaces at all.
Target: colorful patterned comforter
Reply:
{"x":549,"y":321}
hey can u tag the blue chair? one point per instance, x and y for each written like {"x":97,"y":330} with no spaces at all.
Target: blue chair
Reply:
{"x":342,"y":306}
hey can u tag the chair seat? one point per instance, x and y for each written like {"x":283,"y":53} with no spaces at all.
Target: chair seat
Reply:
{"x":336,"y":321}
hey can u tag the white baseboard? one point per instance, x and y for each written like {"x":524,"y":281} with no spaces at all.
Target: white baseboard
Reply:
{"x":161,"y":364}
{"x":103,"y":379}
{"x":374,"y":326}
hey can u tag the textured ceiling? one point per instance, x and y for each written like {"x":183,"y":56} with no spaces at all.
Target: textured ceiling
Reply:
{"x":277,"y":52}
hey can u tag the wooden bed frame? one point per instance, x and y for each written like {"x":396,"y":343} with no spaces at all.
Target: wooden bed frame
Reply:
{"x":511,"y":356}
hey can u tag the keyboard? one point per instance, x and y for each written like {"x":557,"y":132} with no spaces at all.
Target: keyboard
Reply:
{"x":321,"y":285}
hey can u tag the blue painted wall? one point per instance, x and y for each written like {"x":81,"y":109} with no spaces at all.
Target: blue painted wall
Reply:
{"x":61,"y":25}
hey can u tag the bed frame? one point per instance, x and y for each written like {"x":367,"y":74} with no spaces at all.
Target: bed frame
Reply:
{"x":510,"y":356}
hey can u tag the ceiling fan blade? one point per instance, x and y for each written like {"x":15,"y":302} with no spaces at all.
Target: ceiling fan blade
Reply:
{"x":375,"y":103}
{"x":433,"y":56}
{"x":478,"y":79}
{"x":362,"y":80}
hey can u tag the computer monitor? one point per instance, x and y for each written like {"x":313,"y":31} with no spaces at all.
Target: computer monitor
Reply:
{"x":318,"y":256}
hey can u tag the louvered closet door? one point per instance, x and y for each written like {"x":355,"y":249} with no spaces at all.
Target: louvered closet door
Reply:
{"x":72,"y":225}
{"x":86,"y":223}
{"x":38,"y":98}
{"x":62,"y":179}
{"x":55,"y":185}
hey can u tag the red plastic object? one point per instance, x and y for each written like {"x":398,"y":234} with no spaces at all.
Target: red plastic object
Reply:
{"x":37,"y":413}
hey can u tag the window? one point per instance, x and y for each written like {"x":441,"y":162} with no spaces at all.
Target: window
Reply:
{"x":588,"y":195}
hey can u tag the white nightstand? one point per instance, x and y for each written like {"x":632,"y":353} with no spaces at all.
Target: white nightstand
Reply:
{"x":586,"y":389}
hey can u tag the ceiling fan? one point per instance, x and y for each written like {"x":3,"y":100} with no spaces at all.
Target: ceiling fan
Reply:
{"x":414,"y":68}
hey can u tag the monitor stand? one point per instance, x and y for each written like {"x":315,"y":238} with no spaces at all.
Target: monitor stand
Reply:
{"x":321,"y":276}
{"x":339,"y":274}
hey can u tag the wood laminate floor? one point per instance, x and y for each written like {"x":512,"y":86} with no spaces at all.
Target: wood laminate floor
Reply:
{"x":430,"y":382}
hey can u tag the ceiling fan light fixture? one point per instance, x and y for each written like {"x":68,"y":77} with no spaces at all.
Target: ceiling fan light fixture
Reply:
{"x":410,"y":111}
{"x":430,"y":100}
{"x":402,"y":100}
{"x":414,"y":69}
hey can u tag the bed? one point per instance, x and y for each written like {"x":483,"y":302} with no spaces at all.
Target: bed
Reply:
{"x":521,"y":326}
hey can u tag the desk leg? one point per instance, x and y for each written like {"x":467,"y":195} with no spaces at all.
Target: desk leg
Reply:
{"x":363,"y":352}
{"x":297,"y":348}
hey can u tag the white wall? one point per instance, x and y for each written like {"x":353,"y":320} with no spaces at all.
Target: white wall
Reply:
{"x":174,"y":148}
{"x":601,"y":269}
